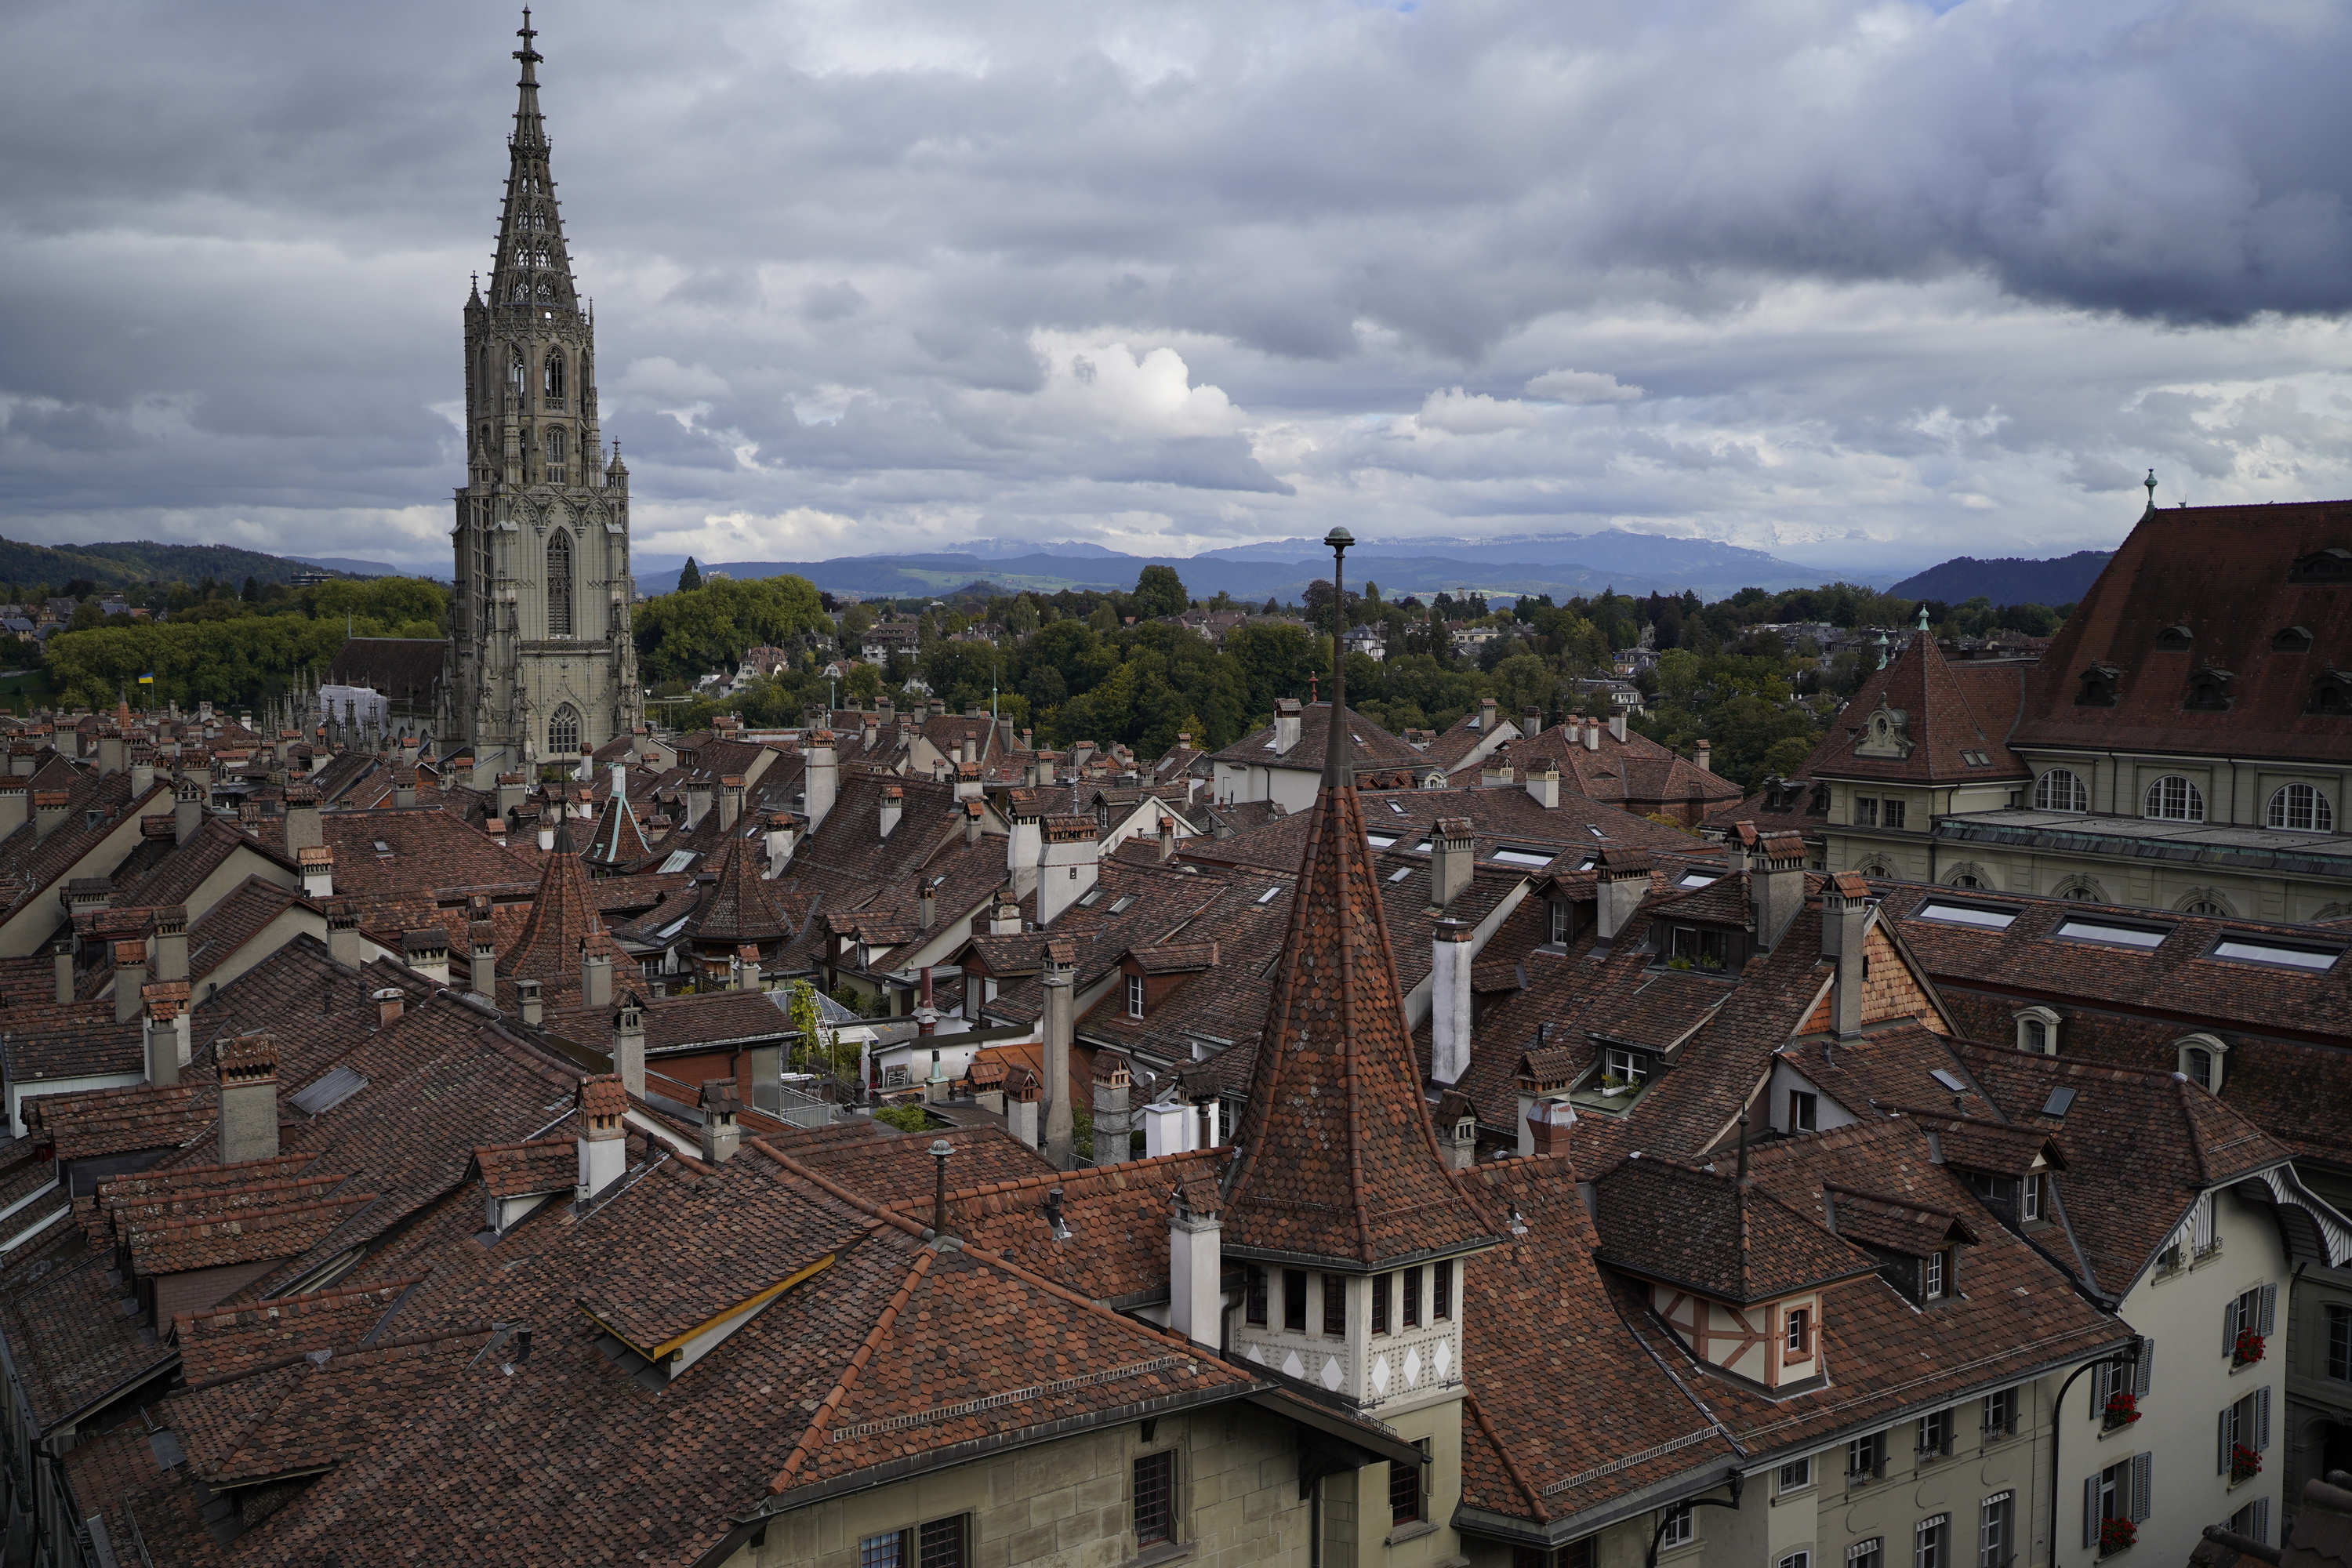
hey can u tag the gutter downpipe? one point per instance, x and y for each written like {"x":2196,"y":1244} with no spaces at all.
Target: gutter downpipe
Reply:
{"x":2127,"y":1357}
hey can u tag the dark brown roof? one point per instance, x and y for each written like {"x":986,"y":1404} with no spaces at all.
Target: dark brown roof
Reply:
{"x":1927,"y":699}
{"x":1711,"y":1232}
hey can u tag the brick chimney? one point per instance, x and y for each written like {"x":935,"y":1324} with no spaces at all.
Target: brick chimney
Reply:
{"x":318,"y":867}
{"x":1452,"y":845}
{"x":603,"y":1140}
{"x":248,"y":1097}
{"x":1449,"y":1001}
{"x":130,"y":979}
{"x":390,"y":1002}
{"x":721,"y":1135}
{"x":1548,"y":1125}
{"x":629,"y":1045}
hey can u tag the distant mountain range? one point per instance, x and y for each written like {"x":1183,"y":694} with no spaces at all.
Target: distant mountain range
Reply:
{"x":2007,"y":581}
{"x":135,"y":561}
{"x":1562,"y":564}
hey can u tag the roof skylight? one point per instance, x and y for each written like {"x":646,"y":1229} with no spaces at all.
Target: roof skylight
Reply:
{"x":1270,"y":895}
{"x":2283,"y":955}
{"x":1399,"y":874}
{"x":1696,"y":879}
{"x":2113,"y":933}
{"x":1958,"y":914}
{"x":1510,"y":855}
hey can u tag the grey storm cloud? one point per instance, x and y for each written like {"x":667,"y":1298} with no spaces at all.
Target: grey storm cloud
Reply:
{"x":1861,"y":280}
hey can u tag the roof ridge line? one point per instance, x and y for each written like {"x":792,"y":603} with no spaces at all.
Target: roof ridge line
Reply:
{"x":831,"y":1404}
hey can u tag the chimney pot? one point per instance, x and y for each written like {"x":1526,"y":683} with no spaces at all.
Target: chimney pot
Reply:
{"x":389,"y":1002}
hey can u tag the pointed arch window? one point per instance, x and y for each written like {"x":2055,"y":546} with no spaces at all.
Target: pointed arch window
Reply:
{"x":546,"y":292}
{"x":557,"y":449}
{"x":515,"y":370}
{"x":563,"y":731}
{"x":559,"y":590}
{"x":551,"y":378}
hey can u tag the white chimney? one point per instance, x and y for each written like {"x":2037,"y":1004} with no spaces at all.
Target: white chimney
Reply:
{"x":821,"y":778}
{"x":1069,"y":860}
{"x":1846,"y":916}
{"x":603,"y":1140}
{"x":629,"y":1046}
{"x":1543,"y":787}
{"x":894,"y":805}
{"x":1196,"y":1294}
{"x":1286,"y":724}
{"x":1617,"y":727}
{"x":1449,"y":1001}
{"x":595,"y":979}
{"x":720,"y":1134}
{"x":318,"y":872}
{"x":1592,"y":735}
{"x":1624,"y":880}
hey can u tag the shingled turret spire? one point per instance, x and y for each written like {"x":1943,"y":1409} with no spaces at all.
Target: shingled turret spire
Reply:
{"x":1339,"y":1166}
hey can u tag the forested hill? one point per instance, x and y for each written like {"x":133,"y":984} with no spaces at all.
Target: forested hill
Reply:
{"x":2007,"y":581}
{"x":134,"y":562}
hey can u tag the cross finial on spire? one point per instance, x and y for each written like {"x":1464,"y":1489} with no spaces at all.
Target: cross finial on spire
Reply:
{"x":1336,"y":770}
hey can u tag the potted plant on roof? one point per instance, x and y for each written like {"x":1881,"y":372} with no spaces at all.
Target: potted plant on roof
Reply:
{"x":2116,"y":1534}
{"x":2246,"y":1349}
{"x":1611,"y":1086}
{"x":2122,"y":1409}
{"x":2245,"y":1464}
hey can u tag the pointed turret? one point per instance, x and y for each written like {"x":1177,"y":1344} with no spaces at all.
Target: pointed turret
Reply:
{"x":1339,"y":1166}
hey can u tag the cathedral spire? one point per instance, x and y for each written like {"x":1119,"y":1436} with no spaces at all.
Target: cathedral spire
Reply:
{"x":533,"y":268}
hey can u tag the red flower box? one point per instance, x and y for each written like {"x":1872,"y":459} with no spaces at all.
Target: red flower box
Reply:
{"x":2115,"y":1534}
{"x":2121,"y":1410}
{"x":2247,"y":1349}
{"x":2245,"y":1463}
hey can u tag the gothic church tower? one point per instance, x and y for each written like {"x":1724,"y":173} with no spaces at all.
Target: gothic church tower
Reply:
{"x":540,"y":660}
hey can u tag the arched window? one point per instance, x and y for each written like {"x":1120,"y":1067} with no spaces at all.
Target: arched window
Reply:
{"x":551,"y":380}
{"x":2206,"y":907}
{"x":2037,"y":1031}
{"x":546,"y":292}
{"x":2174,"y":799}
{"x":2299,"y":808}
{"x":558,"y":598}
{"x":514,"y":364}
{"x":563,"y":731}
{"x":1965,"y":879}
{"x":2201,"y":1056}
{"x":2061,"y":789}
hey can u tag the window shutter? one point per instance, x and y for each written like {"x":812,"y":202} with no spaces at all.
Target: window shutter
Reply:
{"x":2145,"y":1370}
{"x":2263,"y":1419}
{"x":2261,"y":1531}
{"x":2143,"y":1498}
{"x":2269,"y":1310}
{"x":2221,"y":1443}
{"x":2091,"y":1512}
{"x":2228,"y":1327}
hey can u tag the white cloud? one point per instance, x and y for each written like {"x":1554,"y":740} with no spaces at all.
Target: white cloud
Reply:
{"x":1580,"y":386}
{"x":1474,"y":414}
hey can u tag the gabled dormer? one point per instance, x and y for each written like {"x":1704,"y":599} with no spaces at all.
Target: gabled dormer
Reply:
{"x":1918,"y":1249}
{"x":1885,"y":735}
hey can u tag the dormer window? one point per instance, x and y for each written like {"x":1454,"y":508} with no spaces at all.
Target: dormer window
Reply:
{"x":2291,"y":639}
{"x":1797,"y":1335}
{"x":2209,"y":691}
{"x":1135,"y":995}
{"x":2175,"y":639}
{"x":1935,"y":1274}
{"x":2099,"y":684}
{"x":2037,"y":1031}
{"x":2331,"y":692}
{"x":2201,"y":1061}
{"x":2332,"y":565}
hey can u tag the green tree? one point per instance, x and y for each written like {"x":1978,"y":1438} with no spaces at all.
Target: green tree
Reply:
{"x":1158,"y":592}
{"x":685,"y":634}
{"x":689,"y":576}
{"x":1104,"y":620}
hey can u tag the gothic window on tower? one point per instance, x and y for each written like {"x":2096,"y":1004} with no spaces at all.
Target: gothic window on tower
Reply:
{"x":546,"y":292}
{"x":551,"y":380}
{"x":563,"y":731}
{"x":555,"y":470}
{"x":558,"y":588}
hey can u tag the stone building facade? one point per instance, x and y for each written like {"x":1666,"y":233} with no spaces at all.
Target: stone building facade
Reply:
{"x":541,"y":663}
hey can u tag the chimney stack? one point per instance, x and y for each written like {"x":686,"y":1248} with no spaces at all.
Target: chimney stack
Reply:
{"x":629,"y":1045}
{"x":1548,"y":1123}
{"x":821,"y":778}
{"x":1706,"y":753}
{"x":1489,"y":715}
{"x":163,"y":1037}
{"x":747,"y":967}
{"x":1286,"y":724}
{"x":345,"y":945}
{"x":1069,"y":860}
{"x":731,"y":802}
{"x":48,"y":810}
{"x":1196,"y":1294}
{"x":595,"y":978}
{"x":1451,"y":846}
{"x":390,"y":1002}
{"x":721,"y":1135}
{"x":1060,"y":958}
{"x":1114,"y":1088}
{"x":1624,"y":879}
{"x":303,"y":830}
{"x":130,"y":979}
{"x":779,"y":843}
{"x":926,"y":902}
{"x":427,"y":953}
{"x":1449,"y":1002}
{"x":699,"y":792}
{"x":482,"y":949}
{"x":1167,"y":838}
{"x":1847,"y":915}
{"x":248,"y":1097}
{"x":513,"y":790}
{"x":1592,"y":734}
{"x":169,"y":955}
{"x":528,"y":1002}
{"x":15,"y":805}
{"x":1617,"y":726}
{"x":403,"y":786}
{"x":61,"y":971}
{"x":1543,"y":787}
{"x":1531,"y":723}
{"x":1021,"y":1089}
{"x":1777,"y":891}
{"x":317,"y":868}
{"x":602,"y":1138}
{"x":893,"y":804}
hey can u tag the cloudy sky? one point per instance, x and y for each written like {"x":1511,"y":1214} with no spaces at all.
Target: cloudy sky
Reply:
{"x":1868,"y":284}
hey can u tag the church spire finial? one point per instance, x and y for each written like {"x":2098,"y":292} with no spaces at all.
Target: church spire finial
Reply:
{"x":1336,"y":770}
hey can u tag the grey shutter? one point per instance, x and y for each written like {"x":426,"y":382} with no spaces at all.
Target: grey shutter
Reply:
{"x":2091,"y":1512}
{"x":2143,"y":1498}
{"x":2221,"y":1443}
{"x":2262,"y":1419}
{"x":2269,"y":1310}
{"x":2145,"y":1370}
{"x":2229,"y":1326}
{"x":2261,"y":1529}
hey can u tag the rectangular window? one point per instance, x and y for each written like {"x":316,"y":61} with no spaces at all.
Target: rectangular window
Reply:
{"x":1865,"y":811}
{"x":1936,"y":1432}
{"x":1404,"y":1487}
{"x":2029,"y":1202}
{"x":1996,"y":1531}
{"x":1681,"y":1526}
{"x":2339,"y":1342}
{"x":1797,"y":1338}
{"x":1891,"y":816}
{"x":1624,"y":1066}
{"x":1335,"y":1304}
{"x":1254,"y":1295}
{"x":1796,"y":1560}
{"x":2001,"y":1413}
{"x":1931,"y":1276}
{"x":1441,"y":1292}
{"x":1803,"y":1110}
{"x":1155,"y":1498}
{"x":940,"y":1544}
{"x":1865,"y":1457}
{"x":1931,"y":1542}
{"x":1867,"y":1553}
{"x":1135,"y":995}
{"x":883,"y":1550}
{"x":1293,"y":1300}
{"x":1797,"y":1475}
{"x":1563,"y":921}
{"x":1380,"y":1303}
{"x":1413,"y":1297}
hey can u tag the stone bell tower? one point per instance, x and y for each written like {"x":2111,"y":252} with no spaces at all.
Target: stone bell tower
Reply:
{"x":541,"y":662}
